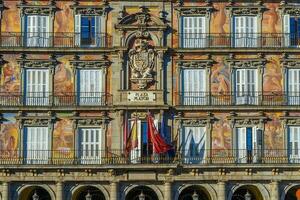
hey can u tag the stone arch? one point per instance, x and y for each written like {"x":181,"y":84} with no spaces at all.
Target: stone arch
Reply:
{"x":132,"y":36}
{"x":207,"y":187}
{"x":43,"y":186}
{"x":77,"y":188}
{"x":260,"y":187}
{"x":286,"y":190}
{"x":153,"y":187}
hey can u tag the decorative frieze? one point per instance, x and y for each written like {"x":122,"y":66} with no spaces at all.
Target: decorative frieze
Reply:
{"x":90,"y":10}
{"x":192,"y":10}
{"x":292,"y":10}
{"x":251,"y":10}
{"x":77,"y":63}
{"x":254,"y":63}
{"x":27,"y":9}
{"x":245,"y":120}
{"x":195,"y":63}
{"x":288,"y":62}
{"x":290,"y":120}
{"x":36,"y":120}
{"x":197,"y":121}
{"x":37,"y":63}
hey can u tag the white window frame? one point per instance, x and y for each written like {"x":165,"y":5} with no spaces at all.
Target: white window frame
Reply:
{"x":194,"y":31}
{"x":245,"y":31}
{"x":193,"y":153}
{"x":37,"y":87}
{"x":99,"y":25}
{"x":91,"y":86}
{"x":194,"y":92}
{"x":37,"y":151}
{"x":242,"y":153}
{"x":37,"y":30}
{"x":90,"y":142}
{"x":294,"y":144}
{"x":293,"y":86}
{"x":246,"y":89}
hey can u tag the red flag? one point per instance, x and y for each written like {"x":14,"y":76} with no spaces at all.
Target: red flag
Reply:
{"x":159,"y":144}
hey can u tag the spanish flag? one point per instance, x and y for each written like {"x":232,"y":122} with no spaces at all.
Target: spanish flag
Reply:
{"x":132,"y":140}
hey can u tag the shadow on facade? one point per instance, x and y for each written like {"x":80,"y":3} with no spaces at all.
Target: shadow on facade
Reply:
{"x":88,"y":192}
{"x":141,"y":191}
{"x":247,"y":192}
{"x":35,"y":192}
{"x":194,"y":192}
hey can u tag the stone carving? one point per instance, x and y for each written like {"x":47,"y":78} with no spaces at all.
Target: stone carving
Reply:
{"x":253,"y":63}
{"x":142,"y":62}
{"x":195,"y":10}
{"x":195,"y":63}
{"x":249,"y":10}
{"x":290,"y":10}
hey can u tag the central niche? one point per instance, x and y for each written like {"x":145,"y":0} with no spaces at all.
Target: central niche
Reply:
{"x":142,"y":60}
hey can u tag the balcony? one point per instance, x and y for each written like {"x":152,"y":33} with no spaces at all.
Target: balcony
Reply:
{"x":270,"y":99}
{"x":38,"y":99}
{"x":263,"y":40}
{"x":53,"y":40}
{"x":120,"y":157}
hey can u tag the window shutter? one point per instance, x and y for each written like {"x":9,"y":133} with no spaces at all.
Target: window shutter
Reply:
{"x":293,"y":86}
{"x":241,"y":145}
{"x":43,"y":29}
{"x":32,"y":30}
{"x":286,"y":29}
{"x":193,"y":31}
{"x":77,"y":30}
{"x":100,"y":39}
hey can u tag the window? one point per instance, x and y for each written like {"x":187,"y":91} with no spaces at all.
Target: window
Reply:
{"x":37,"y":145}
{"x":246,"y":86}
{"x":194,"y":87}
{"x":88,"y":31}
{"x":90,"y":144}
{"x":245,"y":31}
{"x":90,"y":87}
{"x":37,"y":87}
{"x":249,"y":144}
{"x":193,"y":144}
{"x":293,"y":144}
{"x":293,"y":89}
{"x":291,"y":31}
{"x":37,"y":31}
{"x":139,"y":141}
{"x":193,"y":32}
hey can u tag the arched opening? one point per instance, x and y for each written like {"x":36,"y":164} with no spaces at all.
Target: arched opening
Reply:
{"x":293,"y":193}
{"x":141,"y":192}
{"x":34,"y":193}
{"x":194,"y":192}
{"x":247,"y":192}
{"x":88,"y":193}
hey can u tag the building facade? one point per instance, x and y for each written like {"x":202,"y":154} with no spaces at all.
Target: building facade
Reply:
{"x":220,"y":78}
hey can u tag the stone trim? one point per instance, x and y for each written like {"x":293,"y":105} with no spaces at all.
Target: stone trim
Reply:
{"x":206,"y":63}
{"x":37,"y":9}
{"x":244,"y":120}
{"x":82,"y":64}
{"x":287,"y":62}
{"x":249,"y":10}
{"x":192,"y":10}
{"x":93,"y":121}
{"x":36,"y":120}
{"x":287,"y":9}
{"x":290,"y":120}
{"x":253,"y":63}
{"x":90,"y":10}
{"x":37,"y":63}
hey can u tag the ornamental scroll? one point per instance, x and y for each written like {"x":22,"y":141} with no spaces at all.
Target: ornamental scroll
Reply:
{"x":142,"y":62}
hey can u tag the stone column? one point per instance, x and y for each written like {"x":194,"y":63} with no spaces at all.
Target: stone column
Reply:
{"x":221,"y":190}
{"x":168,"y":191}
{"x":59,"y":191}
{"x":5,"y":191}
{"x":113,"y":191}
{"x":275,"y":190}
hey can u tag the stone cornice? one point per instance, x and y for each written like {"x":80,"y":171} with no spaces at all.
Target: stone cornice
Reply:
{"x":251,"y":10}
{"x":76,"y":62}
{"x":207,"y":63}
{"x":290,"y":120}
{"x":246,"y":63}
{"x":245,"y":120}
{"x":27,"y":9}
{"x":90,"y":10}
{"x":288,"y":62}
{"x":193,"y":10}
{"x":36,"y":120}
{"x":90,"y":120}
{"x":289,"y":10}
{"x":37,"y":63}
{"x":196,"y":121}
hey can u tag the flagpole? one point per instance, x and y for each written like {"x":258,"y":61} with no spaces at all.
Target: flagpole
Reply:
{"x":147,"y":118}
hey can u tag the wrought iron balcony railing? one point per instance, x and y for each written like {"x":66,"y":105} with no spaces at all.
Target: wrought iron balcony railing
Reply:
{"x":55,"y":100}
{"x":238,"y":40}
{"x":53,"y":40}
{"x":120,"y":157}
{"x":238,"y":98}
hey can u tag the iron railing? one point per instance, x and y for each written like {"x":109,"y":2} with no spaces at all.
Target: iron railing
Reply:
{"x":56,"y":39}
{"x":56,"y":99}
{"x":238,"y":98}
{"x":120,"y":157}
{"x":238,"y":40}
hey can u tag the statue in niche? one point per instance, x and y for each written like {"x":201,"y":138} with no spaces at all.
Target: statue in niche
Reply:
{"x":141,"y":62}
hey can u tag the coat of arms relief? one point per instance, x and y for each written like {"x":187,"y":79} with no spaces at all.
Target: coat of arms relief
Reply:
{"x":142,"y":62}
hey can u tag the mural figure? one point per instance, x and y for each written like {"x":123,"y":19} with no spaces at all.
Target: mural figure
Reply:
{"x":141,"y":62}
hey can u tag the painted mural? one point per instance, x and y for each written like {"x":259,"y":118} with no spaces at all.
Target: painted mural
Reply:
{"x":274,"y":133}
{"x":10,"y":77}
{"x":272,"y":79}
{"x":221,"y":134}
{"x":220,"y":77}
{"x":9,"y":135}
{"x":64,"y":77}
